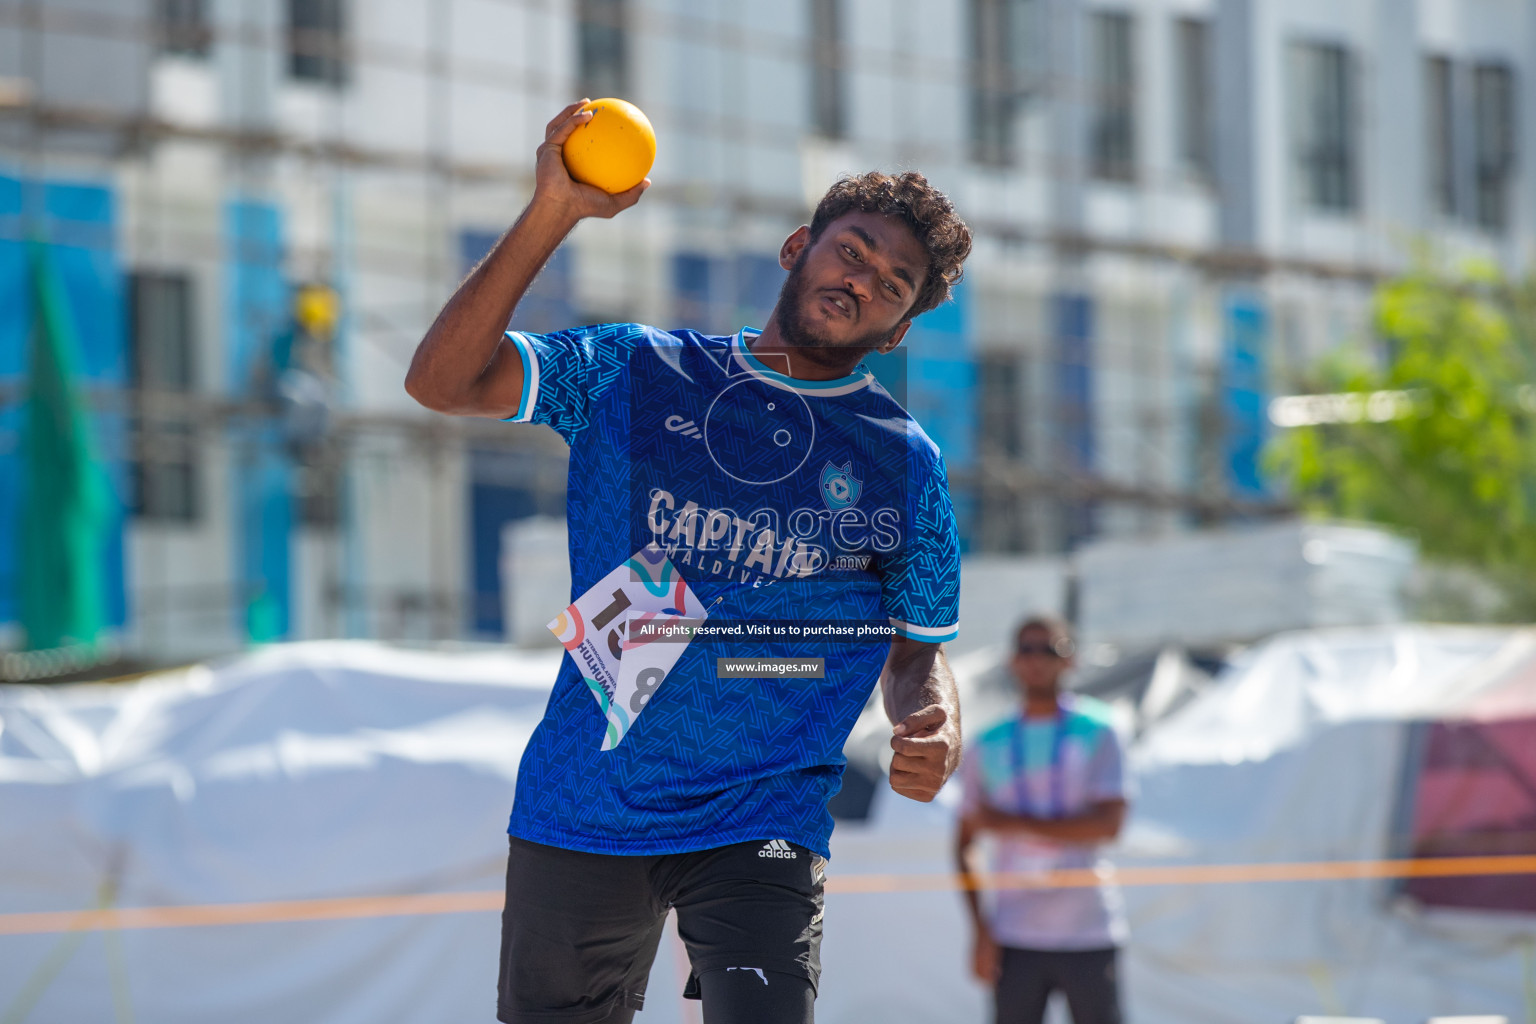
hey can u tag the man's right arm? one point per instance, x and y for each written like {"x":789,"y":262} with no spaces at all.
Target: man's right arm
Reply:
{"x":970,"y":881}
{"x":985,"y":957}
{"x":986,"y":960}
{"x":465,"y":366}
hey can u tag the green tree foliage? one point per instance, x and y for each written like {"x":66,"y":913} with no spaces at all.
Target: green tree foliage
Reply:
{"x":1458,"y":468}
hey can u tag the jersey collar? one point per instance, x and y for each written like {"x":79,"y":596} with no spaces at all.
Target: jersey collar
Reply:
{"x":744,"y":359}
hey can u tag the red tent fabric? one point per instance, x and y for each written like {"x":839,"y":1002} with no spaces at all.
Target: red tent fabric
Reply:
{"x":1475,"y":793}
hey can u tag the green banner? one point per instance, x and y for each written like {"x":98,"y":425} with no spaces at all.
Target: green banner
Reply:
{"x":66,"y":504}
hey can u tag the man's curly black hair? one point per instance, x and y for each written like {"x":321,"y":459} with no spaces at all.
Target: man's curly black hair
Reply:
{"x":923,"y":208}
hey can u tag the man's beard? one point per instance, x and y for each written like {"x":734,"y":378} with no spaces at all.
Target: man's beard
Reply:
{"x":798,"y":332}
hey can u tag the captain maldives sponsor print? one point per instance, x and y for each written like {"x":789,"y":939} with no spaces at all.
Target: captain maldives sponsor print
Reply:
{"x":775,"y":543}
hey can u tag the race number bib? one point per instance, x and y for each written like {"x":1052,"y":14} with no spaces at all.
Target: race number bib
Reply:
{"x":624,"y":676}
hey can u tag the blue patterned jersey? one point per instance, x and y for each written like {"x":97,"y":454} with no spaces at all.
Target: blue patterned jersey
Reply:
{"x":777,"y":500}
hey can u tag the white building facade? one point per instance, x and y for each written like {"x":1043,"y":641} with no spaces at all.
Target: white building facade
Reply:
{"x":1178,"y":206}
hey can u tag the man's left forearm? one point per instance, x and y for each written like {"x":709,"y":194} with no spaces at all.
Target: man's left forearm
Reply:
{"x":917,"y":676}
{"x":923,"y":705}
{"x":1099,"y":825}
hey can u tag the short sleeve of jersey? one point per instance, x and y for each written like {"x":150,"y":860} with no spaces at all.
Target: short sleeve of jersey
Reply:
{"x":972,"y":795}
{"x":566,"y":372}
{"x":1106,"y":769}
{"x":920,"y":584}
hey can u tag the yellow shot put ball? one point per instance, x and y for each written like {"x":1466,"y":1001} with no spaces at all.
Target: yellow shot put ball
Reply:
{"x":613,"y":151}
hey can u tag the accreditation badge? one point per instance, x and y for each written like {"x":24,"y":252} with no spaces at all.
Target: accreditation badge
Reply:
{"x":595,"y":628}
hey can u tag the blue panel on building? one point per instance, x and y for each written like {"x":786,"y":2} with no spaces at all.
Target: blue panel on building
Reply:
{"x":256,"y":307}
{"x":15,"y":328}
{"x":717,"y":295}
{"x":257,"y":326}
{"x":474,"y":245}
{"x":1072,"y":363}
{"x":1074,"y":439}
{"x":695,"y":281}
{"x":941,"y":378}
{"x":1245,"y":387}
{"x":758,"y":280}
{"x":491,"y":507}
{"x":78,"y":224}
{"x":933,"y":374}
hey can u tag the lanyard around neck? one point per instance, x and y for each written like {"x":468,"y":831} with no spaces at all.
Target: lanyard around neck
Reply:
{"x":1058,"y":745}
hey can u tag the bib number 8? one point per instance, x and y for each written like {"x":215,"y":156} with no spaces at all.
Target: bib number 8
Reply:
{"x":645,"y":685}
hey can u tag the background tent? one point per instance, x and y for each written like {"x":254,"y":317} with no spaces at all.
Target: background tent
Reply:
{"x":1311,"y":748}
{"x":340,"y":770}
{"x":294,"y":773}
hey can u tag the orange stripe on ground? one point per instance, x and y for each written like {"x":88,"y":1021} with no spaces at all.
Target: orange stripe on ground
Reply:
{"x":289,"y":911}
{"x":272,"y":912}
{"x":1198,"y":874}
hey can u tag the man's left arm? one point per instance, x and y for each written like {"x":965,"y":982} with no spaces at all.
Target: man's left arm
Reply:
{"x":924,"y":708}
{"x":1101,"y":823}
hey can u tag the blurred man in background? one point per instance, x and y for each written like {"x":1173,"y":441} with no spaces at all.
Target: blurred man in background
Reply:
{"x":1049,"y":783}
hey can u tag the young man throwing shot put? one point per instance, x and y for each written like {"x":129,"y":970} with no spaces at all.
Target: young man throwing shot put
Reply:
{"x":760,"y":478}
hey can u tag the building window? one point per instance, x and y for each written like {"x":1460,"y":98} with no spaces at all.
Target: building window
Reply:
{"x":1113,"y":146}
{"x":317,"y":41}
{"x":165,"y":463}
{"x":1000,"y":406}
{"x":602,"y":65}
{"x":1493,"y":119}
{"x":1192,"y":65}
{"x":184,"y":28}
{"x":827,"y":111}
{"x":1439,"y":136}
{"x":698,"y":281}
{"x":1323,"y":124}
{"x":1004,"y":512}
{"x":1002,"y":44}
{"x":317,"y":486}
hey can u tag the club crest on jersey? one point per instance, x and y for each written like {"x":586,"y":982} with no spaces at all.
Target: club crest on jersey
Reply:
{"x":839,"y":487}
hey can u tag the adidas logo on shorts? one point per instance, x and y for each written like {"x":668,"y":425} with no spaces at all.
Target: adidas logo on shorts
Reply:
{"x":777,"y":848}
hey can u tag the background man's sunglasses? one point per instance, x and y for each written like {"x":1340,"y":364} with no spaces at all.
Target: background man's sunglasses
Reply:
{"x":1044,"y":650}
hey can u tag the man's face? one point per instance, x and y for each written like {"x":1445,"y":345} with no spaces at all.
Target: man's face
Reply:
{"x":850,"y":291}
{"x":1036,"y":664}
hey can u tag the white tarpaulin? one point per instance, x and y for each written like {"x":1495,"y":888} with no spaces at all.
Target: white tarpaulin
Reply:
{"x":296,"y":773}
{"x":333,"y":770}
{"x":1298,"y":755}
{"x":323,"y":771}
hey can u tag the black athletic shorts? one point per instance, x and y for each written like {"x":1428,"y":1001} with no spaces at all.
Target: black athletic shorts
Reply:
{"x":580,"y":930}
